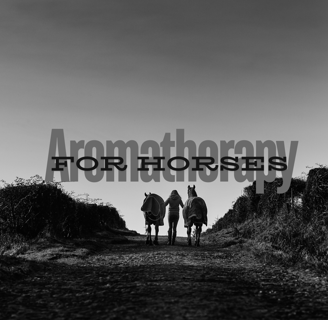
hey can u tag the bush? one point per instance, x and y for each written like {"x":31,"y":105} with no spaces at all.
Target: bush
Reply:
{"x":29,"y":207}
{"x":315,"y":198}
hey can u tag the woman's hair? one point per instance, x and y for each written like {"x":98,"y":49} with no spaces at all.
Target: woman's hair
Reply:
{"x":174,"y":193}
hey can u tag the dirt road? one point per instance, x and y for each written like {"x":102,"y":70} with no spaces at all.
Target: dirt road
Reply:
{"x":102,"y":279}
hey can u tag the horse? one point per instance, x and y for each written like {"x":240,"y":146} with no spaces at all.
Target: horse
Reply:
{"x":194,"y":213}
{"x":154,"y":213}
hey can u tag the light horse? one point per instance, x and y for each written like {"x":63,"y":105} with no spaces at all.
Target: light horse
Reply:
{"x":154,"y":212}
{"x":194,"y":213}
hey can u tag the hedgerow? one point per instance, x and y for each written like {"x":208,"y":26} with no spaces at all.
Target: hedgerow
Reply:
{"x":295,"y":222}
{"x":32,"y":206}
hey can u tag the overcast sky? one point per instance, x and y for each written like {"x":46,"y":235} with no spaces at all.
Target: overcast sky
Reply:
{"x":122,"y":70}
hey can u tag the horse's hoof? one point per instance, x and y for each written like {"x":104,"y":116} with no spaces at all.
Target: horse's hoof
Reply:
{"x":156,"y":243}
{"x":189,"y":242}
{"x":169,"y":243}
{"x":147,"y":241}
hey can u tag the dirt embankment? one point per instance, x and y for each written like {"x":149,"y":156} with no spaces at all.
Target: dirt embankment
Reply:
{"x":115,"y":276}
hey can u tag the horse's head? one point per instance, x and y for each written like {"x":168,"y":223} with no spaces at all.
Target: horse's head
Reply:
{"x":146,"y":203}
{"x":192,"y":192}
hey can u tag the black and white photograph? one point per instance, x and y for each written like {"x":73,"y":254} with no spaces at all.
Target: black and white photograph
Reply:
{"x":163,"y":159}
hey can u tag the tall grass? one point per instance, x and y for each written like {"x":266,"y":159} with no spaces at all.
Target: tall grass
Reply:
{"x":295,"y":222}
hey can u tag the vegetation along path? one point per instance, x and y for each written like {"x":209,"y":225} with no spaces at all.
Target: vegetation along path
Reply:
{"x":122,"y":278}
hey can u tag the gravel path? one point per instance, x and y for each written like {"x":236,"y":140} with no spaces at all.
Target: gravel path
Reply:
{"x":102,"y":280}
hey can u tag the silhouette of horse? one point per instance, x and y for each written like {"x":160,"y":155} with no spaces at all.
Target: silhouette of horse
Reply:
{"x":194,"y":213}
{"x":154,"y":212}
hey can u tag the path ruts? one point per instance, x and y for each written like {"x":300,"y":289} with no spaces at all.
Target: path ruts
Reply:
{"x":135,"y":281}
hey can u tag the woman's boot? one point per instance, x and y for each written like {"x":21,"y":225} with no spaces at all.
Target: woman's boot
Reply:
{"x":173,"y":237}
{"x":169,"y":233}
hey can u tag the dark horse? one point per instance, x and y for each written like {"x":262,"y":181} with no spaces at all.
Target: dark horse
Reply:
{"x":194,"y":213}
{"x":154,"y":212}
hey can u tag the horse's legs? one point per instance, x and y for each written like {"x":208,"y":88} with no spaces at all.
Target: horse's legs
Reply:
{"x":148,"y":241}
{"x":156,"y":234}
{"x":189,"y":233}
{"x":198,"y":232}
{"x":196,"y":235}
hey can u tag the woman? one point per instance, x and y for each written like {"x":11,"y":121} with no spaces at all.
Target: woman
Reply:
{"x":173,"y":217}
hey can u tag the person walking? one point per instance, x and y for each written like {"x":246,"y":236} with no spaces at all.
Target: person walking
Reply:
{"x":174,"y":200}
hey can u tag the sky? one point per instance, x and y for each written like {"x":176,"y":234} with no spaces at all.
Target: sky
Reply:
{"x":135,"y":70}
